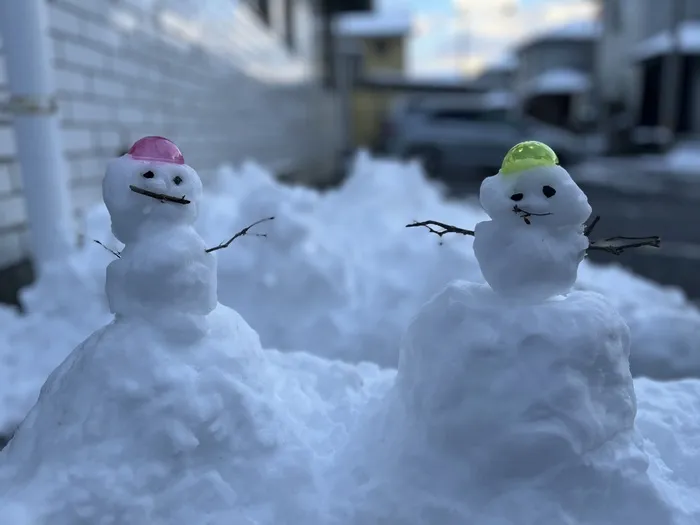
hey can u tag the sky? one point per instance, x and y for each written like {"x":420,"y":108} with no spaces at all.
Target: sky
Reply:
{"x":460,"y":37}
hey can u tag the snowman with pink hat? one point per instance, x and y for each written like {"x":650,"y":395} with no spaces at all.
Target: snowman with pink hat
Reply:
{"x":172,"y":405}
{"x":164,"y":273}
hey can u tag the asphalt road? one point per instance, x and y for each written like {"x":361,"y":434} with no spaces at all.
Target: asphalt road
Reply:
{"x":670,"y":210}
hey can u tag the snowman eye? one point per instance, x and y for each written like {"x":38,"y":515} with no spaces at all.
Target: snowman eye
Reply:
{"x":148,"y":175}
{"x":177,"y":180}
{"x":548,"y":191}
{"x":516,"y":197}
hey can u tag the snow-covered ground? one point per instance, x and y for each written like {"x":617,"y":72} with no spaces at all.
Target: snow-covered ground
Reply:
{"x":141,"y":427}
{"x":339,"y":276}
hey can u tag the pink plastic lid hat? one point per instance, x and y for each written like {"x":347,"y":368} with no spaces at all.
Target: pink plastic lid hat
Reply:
{"x":156,"y":149}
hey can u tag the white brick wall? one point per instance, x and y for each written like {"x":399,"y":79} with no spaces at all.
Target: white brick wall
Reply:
{"x":120,"y":75}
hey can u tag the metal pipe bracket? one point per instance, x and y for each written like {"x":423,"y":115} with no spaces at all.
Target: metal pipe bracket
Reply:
{"x":21,"y":105}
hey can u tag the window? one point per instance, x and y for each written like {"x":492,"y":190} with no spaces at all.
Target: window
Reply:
{"x":381,"y":46}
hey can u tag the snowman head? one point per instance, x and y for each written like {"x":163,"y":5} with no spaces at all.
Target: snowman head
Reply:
{"x":150,"y":186}
{"x":531,"y":189}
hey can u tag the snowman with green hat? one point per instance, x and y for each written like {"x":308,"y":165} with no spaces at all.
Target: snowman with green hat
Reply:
{"x":534,"y":241}
{"x":536,"y":235}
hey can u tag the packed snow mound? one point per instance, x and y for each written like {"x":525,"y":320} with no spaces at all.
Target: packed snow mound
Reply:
{"x":668,"y":415}
{"x":136,"y":429}
{"x":506,"y":413}
{"x":343,"y":254}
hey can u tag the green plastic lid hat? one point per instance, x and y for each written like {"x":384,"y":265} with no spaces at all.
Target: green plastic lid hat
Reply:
{"x":528,"y":155}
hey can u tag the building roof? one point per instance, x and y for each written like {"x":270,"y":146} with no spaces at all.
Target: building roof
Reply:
{"x":375,"y":24}
{"x":557,"y":81}
{"x":584,"y":30}
{"x":662,"y":43}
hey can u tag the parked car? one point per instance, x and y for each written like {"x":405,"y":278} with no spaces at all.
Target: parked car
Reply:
{"x":463,"y":135}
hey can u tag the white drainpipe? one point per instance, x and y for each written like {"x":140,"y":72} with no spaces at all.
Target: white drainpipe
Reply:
{"x":27,"y":52}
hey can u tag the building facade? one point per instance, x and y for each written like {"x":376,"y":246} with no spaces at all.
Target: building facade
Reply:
{"x":649,"y":72}
{"x":554,"y":78}
{"x":373,"y":44}
{"x":667,"y":55}
{"x":224,"y":80}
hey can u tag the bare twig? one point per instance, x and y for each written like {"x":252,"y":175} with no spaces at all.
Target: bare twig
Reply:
{"x":446,"y":228}
{"x":588,"y":228}
{"x":614,"y":245}
{"x":617,"y":245}
{"x":241,"y":233}
{"x":110,"y":250}
{"x":162,"y":197}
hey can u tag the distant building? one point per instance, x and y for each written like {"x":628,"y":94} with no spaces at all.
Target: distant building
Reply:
{"x":668,"y":27}
{"x":554,"y":78}
{"x":497,"y":79}
{"x":378,"y":42}
{"x":635,"y":78}
{"x":498,"y":75}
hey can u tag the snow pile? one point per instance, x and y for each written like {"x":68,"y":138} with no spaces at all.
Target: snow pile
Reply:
{"x":339,"y":270}
{"x":509,"y":405}
{"x":172,"y":411}
{"x":506,"y":413}
{"x":131,"y":426}
{"x":513,"y":403}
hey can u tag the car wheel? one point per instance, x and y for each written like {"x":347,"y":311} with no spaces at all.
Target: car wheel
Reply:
{"x":429,"y":157}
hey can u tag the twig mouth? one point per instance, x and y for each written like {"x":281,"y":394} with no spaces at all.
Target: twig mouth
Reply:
{"x":162,"y":197}
{"x":525,"y":215}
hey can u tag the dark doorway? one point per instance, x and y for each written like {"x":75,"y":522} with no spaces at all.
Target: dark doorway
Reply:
{"x":551,"y":109}
{"x":652,"y":76}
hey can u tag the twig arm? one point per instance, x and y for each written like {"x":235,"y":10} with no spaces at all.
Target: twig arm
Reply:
{"x":617,"y":245}
{"x":446,"y":228}
{"x":110,"y":250}
{"x":241,"y":233}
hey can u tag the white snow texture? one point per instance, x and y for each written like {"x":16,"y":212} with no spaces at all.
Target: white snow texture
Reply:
{"x":502,"y":412}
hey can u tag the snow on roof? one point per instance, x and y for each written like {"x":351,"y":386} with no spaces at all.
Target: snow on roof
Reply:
{"x":581,"y":30}
{"x":376,"y":24}
{"x":662,"y":43}
{"x":557,"y":81}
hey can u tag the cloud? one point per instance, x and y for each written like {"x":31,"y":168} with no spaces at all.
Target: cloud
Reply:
{"x":473,"y":33}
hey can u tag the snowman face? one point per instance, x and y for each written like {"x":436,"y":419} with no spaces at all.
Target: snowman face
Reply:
{"x":543,"y":196}
{"x":139,"y":193}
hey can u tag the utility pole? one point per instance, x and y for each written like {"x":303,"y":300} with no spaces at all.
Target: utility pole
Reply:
{"x":672,"y":70}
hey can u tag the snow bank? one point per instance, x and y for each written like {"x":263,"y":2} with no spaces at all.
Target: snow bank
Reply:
{"x":514,"y":413}
{"x":501,"y":411}
{"x":338,"y":276}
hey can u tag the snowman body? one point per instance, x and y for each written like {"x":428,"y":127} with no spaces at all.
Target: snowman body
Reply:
{"x":164,"y":265}
{"x":534,"y":241}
